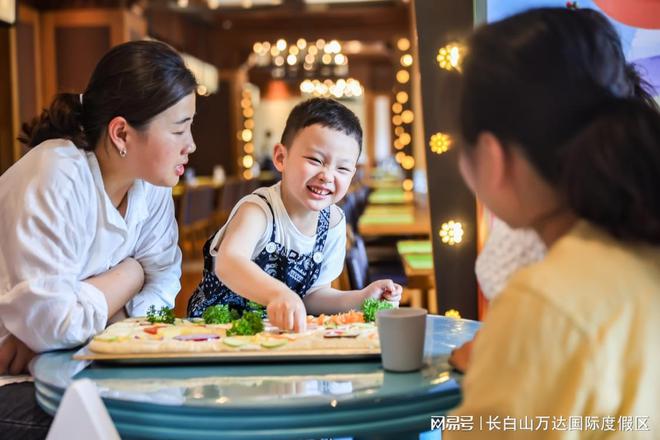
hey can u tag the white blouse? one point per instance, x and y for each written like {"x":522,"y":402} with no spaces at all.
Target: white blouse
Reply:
{"x":58,"y":228}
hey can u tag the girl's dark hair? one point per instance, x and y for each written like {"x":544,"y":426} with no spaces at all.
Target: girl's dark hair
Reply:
{"x":327,"y":113}
{"x":135,"y":80}
{"x":555,"y":84}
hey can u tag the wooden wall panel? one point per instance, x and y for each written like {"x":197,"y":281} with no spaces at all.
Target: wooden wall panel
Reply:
{"x":78,"y":50}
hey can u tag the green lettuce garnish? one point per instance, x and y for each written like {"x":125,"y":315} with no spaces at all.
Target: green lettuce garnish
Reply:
{"x":371,"y":306}
{"x":165,"y":315}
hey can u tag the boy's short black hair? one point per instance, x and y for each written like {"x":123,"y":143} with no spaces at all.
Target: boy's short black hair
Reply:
{"x":326,"y":112}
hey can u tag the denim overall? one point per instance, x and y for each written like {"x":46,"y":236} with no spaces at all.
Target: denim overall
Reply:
{"x":298,"y":272}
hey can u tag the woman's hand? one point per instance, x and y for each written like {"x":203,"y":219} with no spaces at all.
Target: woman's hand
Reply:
{"x":287,"y":311}
{"x":383,"y":289}
{"x":14,"y":356}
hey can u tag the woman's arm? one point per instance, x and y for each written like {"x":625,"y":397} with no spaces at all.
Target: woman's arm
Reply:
{"x":158,"y":253}
{"x":119,"y":284}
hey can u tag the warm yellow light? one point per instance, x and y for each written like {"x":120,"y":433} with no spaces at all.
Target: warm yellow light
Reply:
{"x":397,"y":144}
{"x":406,"y":60}
{"x":301,"y":43}
{"x":399,"y":156}
{"x":281,"y":44}
{"x":245,"y":103}
{"x":340,"y":59}
{"x":451,"y":232}
{"x":405,"y":139}
{"x":402,"y":76}
{"x":246,"y":135}
{"x":248,"y":161}
{"x":440,"y":143}
{"x":407,"y":116}
{"x":408,"y":163}
{"x":247,"y":174}
{"x":274,"y":51}
{"x":452,"y":313}
{"x":312,"y":50}
{"x":293,"y":50}
{"x":248,"y":113}
{"x":202,"y":90}
{"x":291,"y":59}
{"x":246,"y":94}
{"x":257,"y":47}
{"x":248,"y":123}
{"x":403,"y":44}
{"x":407,"y":185}
{"x":396,"y":120}
{"x":450,"y":56}
{"x":399,"y":131}
{"x":326,"y":58}
{"x":397,"y":108}
{"x":248,"y":148}
{"x":402,"y":97}
{"x":279,"y":61}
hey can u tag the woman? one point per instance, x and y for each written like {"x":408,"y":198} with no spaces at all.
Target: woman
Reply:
{"x":88,"y":221}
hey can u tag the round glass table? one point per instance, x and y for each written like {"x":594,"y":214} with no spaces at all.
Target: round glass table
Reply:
{"x":268,"y":400}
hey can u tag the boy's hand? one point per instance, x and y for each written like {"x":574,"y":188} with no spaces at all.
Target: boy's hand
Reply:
{"x":14,"y":356}
{"x":287,"y":312}
{"x":383,"y":289}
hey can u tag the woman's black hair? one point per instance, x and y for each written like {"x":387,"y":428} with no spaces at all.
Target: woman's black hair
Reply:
{"x":135,"y":80}
{"x":555,"y":84}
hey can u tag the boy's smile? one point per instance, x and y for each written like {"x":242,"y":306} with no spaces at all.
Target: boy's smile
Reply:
{"x":317,"y":168}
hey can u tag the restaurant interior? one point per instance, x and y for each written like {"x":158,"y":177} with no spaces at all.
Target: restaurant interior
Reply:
{"x":410,"y":217}
{"x":256,"y":59}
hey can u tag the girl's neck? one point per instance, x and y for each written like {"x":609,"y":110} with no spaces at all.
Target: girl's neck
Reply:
{"x":303,"y":218}
{"x":553,"y":225}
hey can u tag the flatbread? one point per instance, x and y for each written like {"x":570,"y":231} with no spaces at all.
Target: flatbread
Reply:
{"x":138,"y":336}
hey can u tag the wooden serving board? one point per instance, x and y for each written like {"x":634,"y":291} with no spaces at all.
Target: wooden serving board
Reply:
{"x":266,"y":355}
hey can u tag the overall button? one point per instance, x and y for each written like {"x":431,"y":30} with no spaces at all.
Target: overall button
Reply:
{"x":271,"y":247}
{"x":317,"y":257}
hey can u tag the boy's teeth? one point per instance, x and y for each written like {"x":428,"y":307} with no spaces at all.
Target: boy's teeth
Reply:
{"x":319,"y":191}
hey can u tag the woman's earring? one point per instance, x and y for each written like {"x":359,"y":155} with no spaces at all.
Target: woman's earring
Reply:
{"x":122,"y":152}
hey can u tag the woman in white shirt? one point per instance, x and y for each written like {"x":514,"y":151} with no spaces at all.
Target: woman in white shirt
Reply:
{"x":87,"y":215}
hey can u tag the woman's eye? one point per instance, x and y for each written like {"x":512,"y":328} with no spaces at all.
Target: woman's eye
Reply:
{"x":179,"y":133}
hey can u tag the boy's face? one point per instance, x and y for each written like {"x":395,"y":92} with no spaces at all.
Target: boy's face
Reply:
{"x":318,"y":166}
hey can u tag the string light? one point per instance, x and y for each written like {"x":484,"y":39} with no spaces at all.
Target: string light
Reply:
{"x":450,"y":56}
{"x":408,"y":185}
{"x":440,"y":143}
{"x":453,"y":313}
{"x":342,"y":88}
{"x":451,"y":232}
{"x":403,"y":44}
{"x":402,"y":76}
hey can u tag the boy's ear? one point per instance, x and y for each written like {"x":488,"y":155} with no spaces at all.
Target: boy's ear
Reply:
{"x":279,"y":156}
{"x":118,"y":132}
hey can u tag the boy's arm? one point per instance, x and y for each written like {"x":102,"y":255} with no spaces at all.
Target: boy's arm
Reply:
{"x":327,"y":300}
{"x":234,"y":266}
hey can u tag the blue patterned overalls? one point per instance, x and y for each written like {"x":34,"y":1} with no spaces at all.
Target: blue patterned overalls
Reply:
{"x":299,"y":272}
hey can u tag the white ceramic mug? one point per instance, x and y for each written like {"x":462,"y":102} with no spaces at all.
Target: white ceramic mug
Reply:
{"x":401,"y":332}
